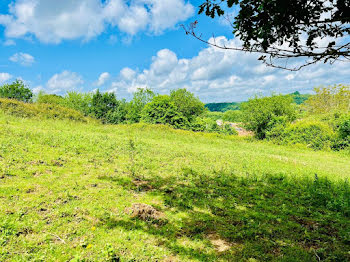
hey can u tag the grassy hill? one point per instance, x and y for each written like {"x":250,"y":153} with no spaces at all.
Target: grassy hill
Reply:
{"x":67,"y":191}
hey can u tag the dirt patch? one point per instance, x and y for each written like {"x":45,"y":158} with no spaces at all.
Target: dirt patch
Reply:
{"x":37,"y":163}
{"x":144,"y":212}
{"x":240,"y":130}
{"x":141,"y":184}
{"x":170,"y":259}
{"x":220,"y":244}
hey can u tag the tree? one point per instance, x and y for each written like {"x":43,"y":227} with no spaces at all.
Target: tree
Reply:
{"x":140,"y":99}
{"x":260,"y":113}
{"x":162,"y":110}
{"x":17,"y":90}
{"x":106,"y":107}
{"x":78,"y":101}
{"x":284,"y":29}
{"x":188,"y":105}
{"x":330,"y":99}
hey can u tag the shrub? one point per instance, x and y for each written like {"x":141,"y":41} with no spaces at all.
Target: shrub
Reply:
{"x":79,"y":101}
{"x":17,"y":90}
{"x":162,"y":110}
{"x":276,"y":127}
{"x":186,"y":103}
{"x":330,"y":99}
{"x":314,"y":134}
{"x":107,"y":108}
{"x":43,"y":98}
{"x":258,"y":112}
{"x":233,"y":116}
{"x":136,"y":105}
{"x":343,"y":130}
{"x":213,"y":115}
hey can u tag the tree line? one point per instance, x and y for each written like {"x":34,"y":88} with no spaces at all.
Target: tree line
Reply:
{"x":320,"y":121}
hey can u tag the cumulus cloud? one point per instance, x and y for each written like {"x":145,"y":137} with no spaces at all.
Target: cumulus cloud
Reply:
{"x":63,"y":82}
{"x":52,"y":21}
{"x":103,"y":79}
{"x":223,"y":75}
{"x":22,"y":59}
{"x":4,"y":77}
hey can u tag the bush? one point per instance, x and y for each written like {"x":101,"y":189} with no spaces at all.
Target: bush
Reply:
{"x":162,"y":110}
{"x":136,"y":105}
{"x":330,"y":99}
{"x":43,"y":98}
{"x":276,"y":127}
{"x":107,"y":108}
{"x":186,"y":103}
{"x":258,"y":112}
{"x":17,"y":90}
{"x":79,"y":101}
{"x":213,"y":115}
{"x":314,"y":134}
{"x":233,"y":116}
{"x":343,"y":130}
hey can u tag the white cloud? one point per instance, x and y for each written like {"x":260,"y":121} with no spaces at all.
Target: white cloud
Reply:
{"x":127,"y":73}
{"x":22,"y":59}
{"x":103,"y":79}
{"x":52,"y":21}
{"x":9,"y":42}
{"x":224,"y":75}
{"x":4,"y":77}
{"x":63,"y":82}
{"x":37,"y":89}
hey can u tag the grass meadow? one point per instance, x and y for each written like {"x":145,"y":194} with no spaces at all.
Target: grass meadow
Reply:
{"x":66,"y":187}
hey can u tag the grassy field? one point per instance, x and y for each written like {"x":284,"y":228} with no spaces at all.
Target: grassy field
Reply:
{"x":67,"y":191}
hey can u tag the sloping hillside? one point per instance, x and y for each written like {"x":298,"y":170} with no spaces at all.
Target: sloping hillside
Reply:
{"x":73,"y":191}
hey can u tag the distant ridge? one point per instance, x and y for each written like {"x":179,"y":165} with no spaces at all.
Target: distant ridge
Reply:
{"x":225,"y":106}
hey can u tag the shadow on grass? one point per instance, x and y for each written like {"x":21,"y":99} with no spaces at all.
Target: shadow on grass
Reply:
{"x":266,"y":218}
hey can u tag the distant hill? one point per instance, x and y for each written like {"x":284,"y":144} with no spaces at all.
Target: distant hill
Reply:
{"x":299,"y":98}
{"x":223,"y":107}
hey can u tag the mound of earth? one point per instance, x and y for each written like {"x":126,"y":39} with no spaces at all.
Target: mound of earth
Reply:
{"x":144,"y":212}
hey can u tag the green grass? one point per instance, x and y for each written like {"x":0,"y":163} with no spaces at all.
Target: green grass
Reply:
{"x":64,"y":188}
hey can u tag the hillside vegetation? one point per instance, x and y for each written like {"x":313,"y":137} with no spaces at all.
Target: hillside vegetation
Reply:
{"x":70,"y":191}
{"x":88,"y":177}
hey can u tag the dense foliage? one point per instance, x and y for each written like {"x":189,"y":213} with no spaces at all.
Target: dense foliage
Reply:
{"x":286,"y":29}
{"x":330,"y":99}
{"x":186,"y":103}
{"x":17,"y":90}
{"x":259,"y":112}
{"x":320,"y":121}
{"x":140,"y":99}
{"x":162,"y":110}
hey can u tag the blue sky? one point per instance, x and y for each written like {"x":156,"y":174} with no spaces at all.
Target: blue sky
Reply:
{"x":122,"y":45}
